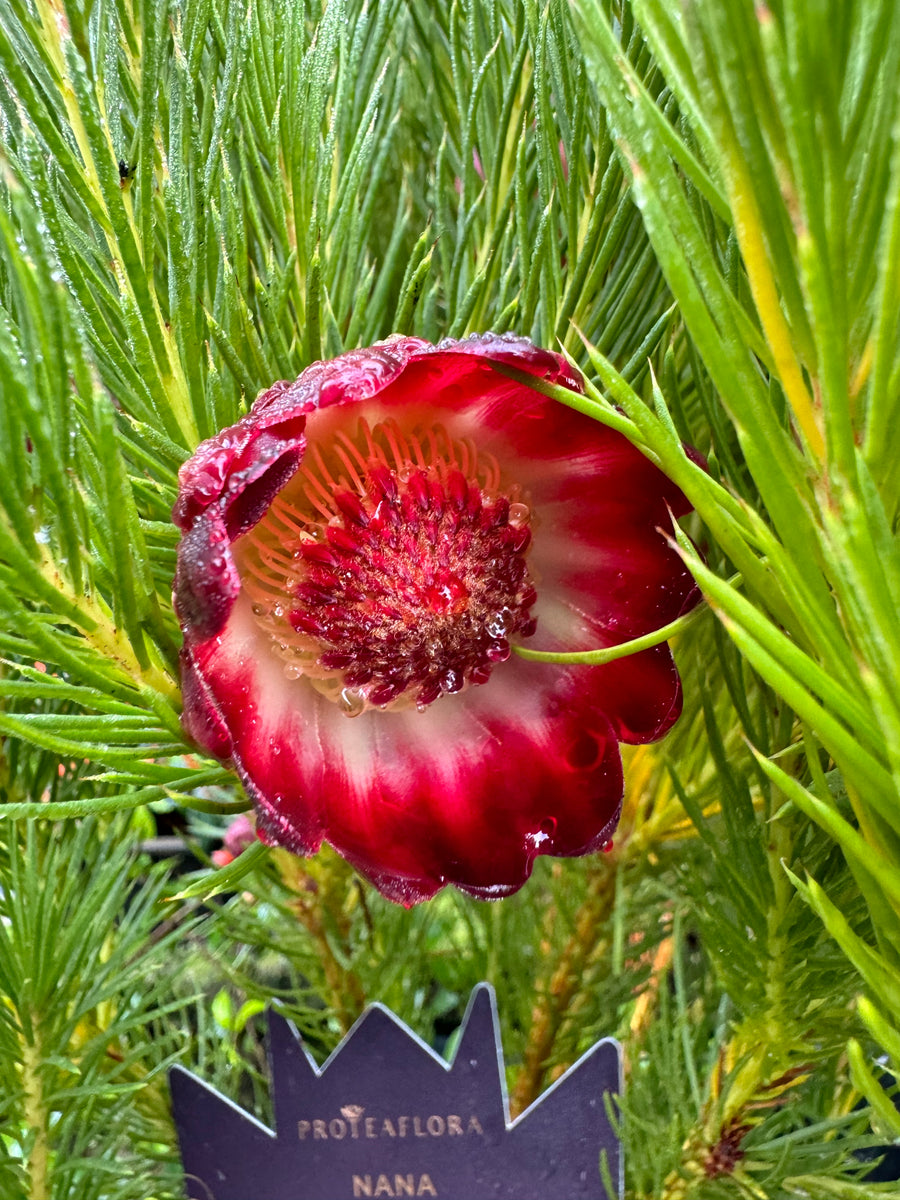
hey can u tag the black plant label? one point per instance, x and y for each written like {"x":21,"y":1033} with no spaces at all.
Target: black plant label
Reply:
{"x":387,"y":1117}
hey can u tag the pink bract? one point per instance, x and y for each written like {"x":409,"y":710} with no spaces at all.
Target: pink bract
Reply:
{"x":240,"y":834}
{"x":358,"y":554}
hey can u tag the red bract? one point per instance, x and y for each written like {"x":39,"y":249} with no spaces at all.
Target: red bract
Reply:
{"x":358,"y":554}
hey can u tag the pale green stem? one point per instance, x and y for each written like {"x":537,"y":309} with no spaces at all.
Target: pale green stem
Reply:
{"x":100,"y":632}
{"x":611,"y":653}
{"x":36,"y":1117}
{"x":52,"y":32}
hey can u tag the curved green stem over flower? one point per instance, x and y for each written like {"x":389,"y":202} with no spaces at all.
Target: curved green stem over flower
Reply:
{"x":608,"y":654}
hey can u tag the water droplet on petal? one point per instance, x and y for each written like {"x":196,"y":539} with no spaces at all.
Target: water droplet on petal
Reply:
{"x":451,"y":681}
{"x":518,"y":514}
{"x":499,"y":623}
{"x":352,"y":702}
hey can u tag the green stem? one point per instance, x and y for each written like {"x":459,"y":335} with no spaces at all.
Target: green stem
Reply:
{"x":96,"y":623}
{"x":611,"y":653}
{"x":36,"y":1116}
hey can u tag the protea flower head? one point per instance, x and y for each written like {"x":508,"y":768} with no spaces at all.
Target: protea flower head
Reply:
{"x":359,"y":555}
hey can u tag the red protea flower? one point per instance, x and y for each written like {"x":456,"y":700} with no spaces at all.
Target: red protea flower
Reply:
{"x":359,"y":554}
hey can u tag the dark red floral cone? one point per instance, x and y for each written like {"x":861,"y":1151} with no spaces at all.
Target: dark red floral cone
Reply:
{"x":359,"y":554}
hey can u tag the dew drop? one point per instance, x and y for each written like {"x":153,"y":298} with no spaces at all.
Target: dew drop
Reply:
{"x":518,"y":514}
{"x":291,"y":671}
{"x":352,"y":702}
{"x":608,"y":846}
{"x":499,"y":623}
{"x":498,"y":651}
{"x":451,"y":681}
{"x":260,"y":610}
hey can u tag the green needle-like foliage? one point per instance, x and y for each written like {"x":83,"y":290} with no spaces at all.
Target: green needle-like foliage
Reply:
{"x":784,"y":154}
{"x":701,"y":204}
{"x":87,"y":990}
{"x":173,"y":243}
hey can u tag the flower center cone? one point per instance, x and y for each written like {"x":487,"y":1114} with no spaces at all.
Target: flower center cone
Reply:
{"x":392,"y":569}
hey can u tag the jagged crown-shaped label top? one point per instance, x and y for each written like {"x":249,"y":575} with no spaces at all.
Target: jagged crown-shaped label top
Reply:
{"x":386,"y":1116}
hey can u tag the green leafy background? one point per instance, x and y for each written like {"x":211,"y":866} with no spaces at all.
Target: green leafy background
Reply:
{"x":701,"y":204}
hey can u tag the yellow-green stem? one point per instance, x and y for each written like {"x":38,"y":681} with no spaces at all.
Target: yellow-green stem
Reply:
{"x":101,"y":633}
{"x":53,"y":29}
{"x":748,"y":228}
{"x":558,"y":989}
{"x":36,"y":1117}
